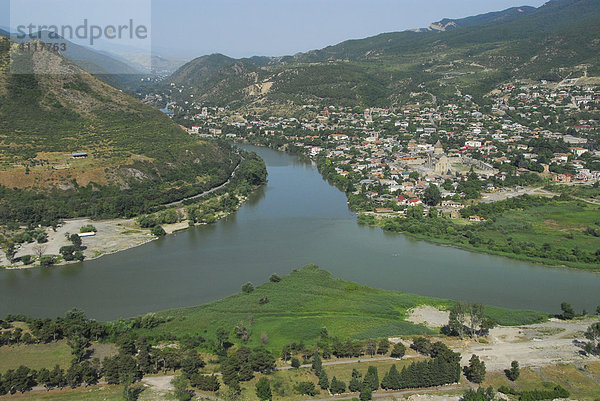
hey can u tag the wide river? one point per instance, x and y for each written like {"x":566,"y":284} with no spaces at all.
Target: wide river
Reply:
{"x":296,"y":219}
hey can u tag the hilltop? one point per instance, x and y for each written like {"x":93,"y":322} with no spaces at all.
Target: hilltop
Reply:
{"x":470,"y":55}
{"x":71,"y":145}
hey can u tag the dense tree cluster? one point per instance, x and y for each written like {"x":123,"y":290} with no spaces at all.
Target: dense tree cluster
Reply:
{"x":443,"y":368}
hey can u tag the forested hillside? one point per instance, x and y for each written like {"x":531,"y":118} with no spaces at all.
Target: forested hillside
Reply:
{"x":130,"y":158}
{"x":473,"y":55}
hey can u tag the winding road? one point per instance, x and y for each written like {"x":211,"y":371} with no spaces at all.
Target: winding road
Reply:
{"x":210,"y":191}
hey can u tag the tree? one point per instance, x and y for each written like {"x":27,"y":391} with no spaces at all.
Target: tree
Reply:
{"x":74,"y":376}
{"x":366,"y":394}
{"x":398,"y":351}
{"x":191,"y":363}
{"x":479,"y":395}
{"x":22,"y":379}
{"x":383,"y":347}
{"x":247,"y":288}
{"x":421,"y":345}
{"x":132,"y":393}
{"x":262,"y":361}
{"x":476,"y":318}
{"x":593,"y":334}
{"x":90,"y":372}
{"x":432,"y":195}
{"x":306,"y":388}
{"x":10,"y":252}
{"x":181,"y":392}
{"x":76,"y":241}
{"x":295,"y":363}
{"x":67,"y":252}
{"x":263,"y":389}
{"x":275,"y":278}
{"x":475,"y":372}
{"x":567,"y":311}
{"x":205,"y":383}
{"x":158,"y":231}
{"x":39,"y":250}
{"x":229,"y":371}
{"x":222,"y":337}
{"x":286,"y":353}
{"x":57,"y":377}
{"x":79,"y":345}
{"x":514,"y":372}
{"x":144,"y":359}
{"x":355,"y":384}
{"x":371,"y":348}
{"x":457,"y":318}
{"x":337,"y":386}
{"x":392,"y":380}
{"x":43,"y":377}
{"x":323,"y":380}
{"x":371,"y":378}
{"x":317,"y":364}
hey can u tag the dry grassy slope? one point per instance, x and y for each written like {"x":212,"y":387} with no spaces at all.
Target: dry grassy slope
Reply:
{"x":61,"y":109}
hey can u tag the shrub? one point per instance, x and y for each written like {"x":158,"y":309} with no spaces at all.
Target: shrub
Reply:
{"x":158,"y":231}
{"x":306,"y":388}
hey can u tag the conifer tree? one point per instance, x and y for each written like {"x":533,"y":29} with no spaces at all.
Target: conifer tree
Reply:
{"x":323,"y":380}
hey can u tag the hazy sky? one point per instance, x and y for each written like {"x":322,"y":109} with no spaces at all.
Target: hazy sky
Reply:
{"x":241,"y":28}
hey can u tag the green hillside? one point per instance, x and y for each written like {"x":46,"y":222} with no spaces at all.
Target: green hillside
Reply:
{"x":472,"y":55}
{"x":136,"y":157}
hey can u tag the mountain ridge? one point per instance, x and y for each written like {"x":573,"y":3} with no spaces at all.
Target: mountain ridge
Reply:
{"x":520,"y":42}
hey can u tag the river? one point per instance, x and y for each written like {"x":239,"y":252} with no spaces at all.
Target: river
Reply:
{"x":296,"y":219}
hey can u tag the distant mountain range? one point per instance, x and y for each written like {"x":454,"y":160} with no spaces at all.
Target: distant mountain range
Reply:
{"x":122,"y":69}
{"x":471,"y":55}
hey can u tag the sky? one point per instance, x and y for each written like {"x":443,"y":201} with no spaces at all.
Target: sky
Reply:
{"x":243,"y":28}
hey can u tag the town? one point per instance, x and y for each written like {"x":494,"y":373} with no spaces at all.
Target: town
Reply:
{"x":527,"y":135}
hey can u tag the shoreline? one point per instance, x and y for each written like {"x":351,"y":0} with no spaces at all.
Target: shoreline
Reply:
{"x":101,"y":245}
{"x":434,"y":241}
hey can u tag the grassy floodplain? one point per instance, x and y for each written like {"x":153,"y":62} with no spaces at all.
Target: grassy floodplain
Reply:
{"x":307,"y":300}
{"x":555,"y":232}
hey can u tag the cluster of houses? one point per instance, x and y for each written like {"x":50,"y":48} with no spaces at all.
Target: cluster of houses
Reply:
{"x":395,"y":154}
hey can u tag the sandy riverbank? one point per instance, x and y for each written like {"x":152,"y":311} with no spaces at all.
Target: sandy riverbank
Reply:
{"x":112,"y":236}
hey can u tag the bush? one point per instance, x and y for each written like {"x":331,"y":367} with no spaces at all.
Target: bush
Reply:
{"x":88,"y":229}
{"x":247,"y":288}
{"x":27,"y":259}
{"x":205,"y":383}
{"x":398,"y":351}
{"x":306,"y":388}
{"x":46,"y":261}
{"x":158,"y":231}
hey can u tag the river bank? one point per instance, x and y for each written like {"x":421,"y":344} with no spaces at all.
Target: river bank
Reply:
{"x":111,"y":236}
{"x":554,"y":233}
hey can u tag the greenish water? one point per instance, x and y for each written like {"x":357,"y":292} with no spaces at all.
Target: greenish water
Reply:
{"x":294,"y":220}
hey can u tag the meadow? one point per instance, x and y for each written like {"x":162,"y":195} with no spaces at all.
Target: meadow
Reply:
{"x":296,"y":309}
